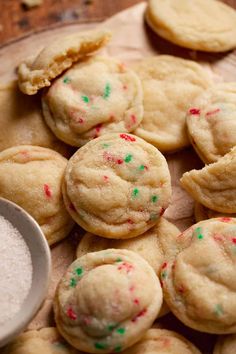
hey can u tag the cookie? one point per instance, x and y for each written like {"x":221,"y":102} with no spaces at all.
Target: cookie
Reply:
{"x":205,"y":25}
{"x":96,"y":96}
{"x":211,"y":122}
{"x":170,"y":85}
{"x":38,"y":72}
{"x":31,"y":176}
{"x":21,"y":121}
{"x":153,"y":246}
{"x":214,"y":185}
{"x":199,"y":282}
{"x":117,"y":186}
{"x":43,"y":341}
{"x":101,"y":305}
{"x":162,"y":341}
{"x":203,"y":213}
{"x":225,"y":345}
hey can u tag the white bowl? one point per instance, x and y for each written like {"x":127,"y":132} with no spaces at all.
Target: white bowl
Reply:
{"x":41,"y":262}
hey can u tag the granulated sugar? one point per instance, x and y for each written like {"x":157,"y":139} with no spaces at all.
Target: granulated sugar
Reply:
{"x":15,"y":270}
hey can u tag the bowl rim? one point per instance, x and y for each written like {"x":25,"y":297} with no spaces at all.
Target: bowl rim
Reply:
{"x":41,"y":273}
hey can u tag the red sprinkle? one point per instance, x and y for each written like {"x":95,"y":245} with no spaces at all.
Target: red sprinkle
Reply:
{"x":140,"y":314}
{"x":132,"y":288}
{"x":234,"y":239}
{"x":106,"y":178}
{"x":127,"y":137}
{"x":47,"y":190}
{"x":71,"y":314}
{"x":218,"y":237}
{"x":108,"y":156}
{"x":164,"y":265}
{"x":136,"y":301}
{"x":133,"y":118}
{"x":181,"y":289}
{"x":212,"y":112}
{"x":225,"y":219}
{"x":129,"y":221}
{"x":125,"y":265}
{"x":80,"y":120}
{"x":194,"y":111}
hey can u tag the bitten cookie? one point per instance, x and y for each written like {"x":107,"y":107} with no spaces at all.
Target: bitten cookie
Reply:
{"x":214,"y":185}
{"x":170,"y":85}
{"x":199,"y":282}
{"x":154,"y":245}
{"x":31,"y":176}
{"x":97,"y":96}
{"x":203,"y":213}
{"x":206,"y":25}
{"x":101,"y":305}
{"x":161,"y":341}
{"x":56,"y":57}
{"x":43,"y":341}
{"x":211,"y":122}
{"x":22,"y":123}
{"x":225,"y":345}
{"x":117,"y":186}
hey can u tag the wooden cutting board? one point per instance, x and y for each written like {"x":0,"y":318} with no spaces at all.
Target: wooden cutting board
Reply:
{"x":132,"y":40}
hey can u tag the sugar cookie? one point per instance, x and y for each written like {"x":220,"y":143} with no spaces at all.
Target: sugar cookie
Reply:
{"x":170,"y":85}
{"x":22,"y":123}
{"x":43,"y":341}
{"x":117,"y":186}
{"x":214,"y":186}
{"x":161,"y":341}
{"x":203,"y":213}
{"x":101,"y":305}
{"x":205,"y":25}
{"x":225,"y":345}
{"x":211,"y":122}
{"x":199,"y":282}
{"x":154,"y":245}
{"x":56,"y":57}
{"x":31,"y":176}
{"x":96,"y":96}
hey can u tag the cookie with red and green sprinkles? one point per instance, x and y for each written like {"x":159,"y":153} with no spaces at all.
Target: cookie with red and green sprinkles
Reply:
{"x":199,"y":282}
{"x":101,"y":305}
{"x":98,"y":95}
{"x":211,"y":122}
{"x":31,"y":176}
{"x":117,"y":186}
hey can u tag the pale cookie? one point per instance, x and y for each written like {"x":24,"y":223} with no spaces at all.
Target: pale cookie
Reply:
{"x":31,"y":176}
{"x":199,"y":282}
{"x":154,"y":245}
{"x":117,"y":186}
{"x":205,"y":25}
{"x":43,"y":341}
{"x":97,"y":96}
{"x":56,"y":57}
{"x":162,"y":341}
{"x":211,"y":122}
{"x":226,"y":345}
{"x":101,"y":304}
{"x":203,"y":213}
{"x":214,"y":186}
{"x":170,"y":85}
{"x":22,"y":123}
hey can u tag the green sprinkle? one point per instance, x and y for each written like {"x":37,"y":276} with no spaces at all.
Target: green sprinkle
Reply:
{"x":198,"y":232}
{"x":107,"y":91}
{"x":219,"y":310}
{"x":66,"y":80}
{"x":79,"y":271}
{"x":128,"y":158}
{"x":85,"y":99}
{"x":154,"y":198}
{"x":105,"y":146}
{"x":135,"y":192}
{"x":121,"y":330}
{"x":118,"y":349}
{"x":73,"y":282}
{"x":141,"y":167}
{"x":164,"y":274}
{"x":111,"y":327}
{"x":101,"y":346}
{"x":118,"y":260}
{"x":153,"y":216}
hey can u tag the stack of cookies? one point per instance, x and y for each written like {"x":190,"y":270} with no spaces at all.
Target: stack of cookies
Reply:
{"x":133,"y":265}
